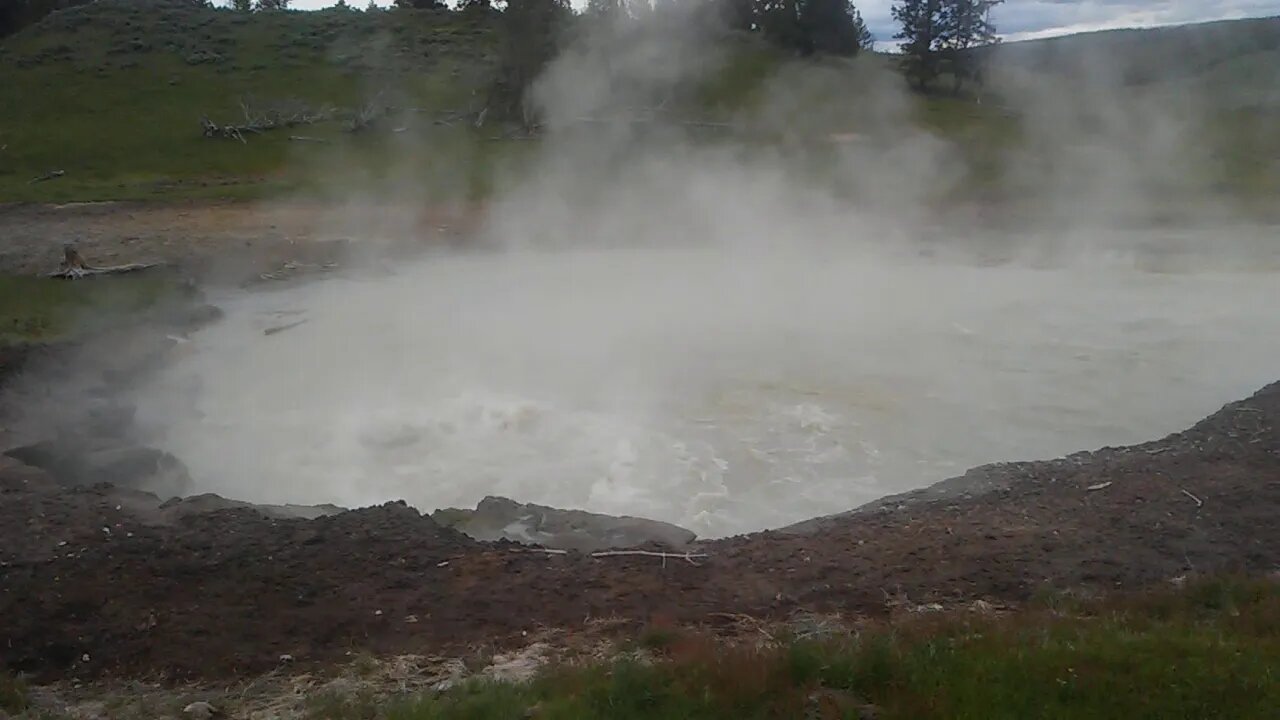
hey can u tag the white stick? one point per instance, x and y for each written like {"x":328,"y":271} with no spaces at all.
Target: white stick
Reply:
{"x":1199,"y":502}
{"x":687,"y":557}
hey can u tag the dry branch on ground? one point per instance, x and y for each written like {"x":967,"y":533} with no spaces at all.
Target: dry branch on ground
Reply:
{"x":280,"y":115}
{"x":51,"y":175}
{"x":74,"y":267}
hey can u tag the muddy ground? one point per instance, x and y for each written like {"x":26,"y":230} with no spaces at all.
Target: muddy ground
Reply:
{"x":96,"y":584}
{"x":221,"y":242}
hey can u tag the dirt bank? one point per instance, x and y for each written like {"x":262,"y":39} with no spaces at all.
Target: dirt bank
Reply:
{"x":216,"y":241}
{"x":90,"y":589}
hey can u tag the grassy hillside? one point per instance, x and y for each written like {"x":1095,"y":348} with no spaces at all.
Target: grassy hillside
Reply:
{"x":1141,"y":56}
{"x":111,"y":94}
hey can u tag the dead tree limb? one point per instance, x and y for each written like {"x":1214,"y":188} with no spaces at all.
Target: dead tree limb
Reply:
{"x":74,"y":267}
{"x":286,"y":115}
{"x":51,"y":175}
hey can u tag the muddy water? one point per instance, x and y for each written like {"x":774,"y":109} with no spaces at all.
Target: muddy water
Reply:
{"x":722,"y":391}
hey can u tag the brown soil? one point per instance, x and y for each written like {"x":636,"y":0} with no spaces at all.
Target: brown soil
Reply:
{"x":93,"y":586}
{"x":229,"y":593}
{"x":218,"y":241}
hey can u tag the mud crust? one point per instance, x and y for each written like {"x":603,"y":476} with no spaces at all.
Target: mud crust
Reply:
{"x":227,"y":593}
{"x":94,"y":588}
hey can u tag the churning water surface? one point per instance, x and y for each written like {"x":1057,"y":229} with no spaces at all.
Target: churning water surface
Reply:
{"x":722,"y":391}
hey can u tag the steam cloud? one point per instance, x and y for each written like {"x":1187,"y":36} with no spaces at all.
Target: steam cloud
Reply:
{"x":734,"y":335}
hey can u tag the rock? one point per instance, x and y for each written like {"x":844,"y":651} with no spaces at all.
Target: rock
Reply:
{"x":497,"y":518}
{"x":140,"y":468}
{"x":177,"y":508}
{"x":128,"y":466}
{"x":201,"y":711}
{"x":18,"y":475}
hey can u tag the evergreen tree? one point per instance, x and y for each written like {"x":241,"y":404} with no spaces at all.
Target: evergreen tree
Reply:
{"x":530,"y":34}
{"x":965,"y":24}
{"x":829,"y":26}
{"x":866,"y":41}
{"x":917,"y":20}
{"x":939,"y":35}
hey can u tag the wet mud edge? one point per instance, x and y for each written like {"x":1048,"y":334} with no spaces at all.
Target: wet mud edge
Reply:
{"x":91,"y":589}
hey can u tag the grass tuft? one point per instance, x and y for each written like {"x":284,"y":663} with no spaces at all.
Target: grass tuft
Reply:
{"x":15,"y":696}
{"x":1208,"y":650}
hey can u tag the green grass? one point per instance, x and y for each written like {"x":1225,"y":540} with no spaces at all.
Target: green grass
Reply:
{"x":42,"y":310}
{"x":111,"y":94}
{"x":14,"y":694}
{"x":1209,"y":651}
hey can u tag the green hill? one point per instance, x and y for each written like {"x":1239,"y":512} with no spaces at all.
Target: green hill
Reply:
{"x":1142,"y":56}
{"x":111,"y":95}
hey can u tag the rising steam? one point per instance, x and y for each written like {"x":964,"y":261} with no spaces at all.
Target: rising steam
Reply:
{"x":736,"y":334}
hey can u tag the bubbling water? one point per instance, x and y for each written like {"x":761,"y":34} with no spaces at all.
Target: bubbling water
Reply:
{"x":726,"y":392}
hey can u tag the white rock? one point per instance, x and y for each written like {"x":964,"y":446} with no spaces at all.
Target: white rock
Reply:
{"x":200,"y":710}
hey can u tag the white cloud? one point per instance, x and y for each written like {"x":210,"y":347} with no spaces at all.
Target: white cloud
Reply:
{"x":1026,"y":19}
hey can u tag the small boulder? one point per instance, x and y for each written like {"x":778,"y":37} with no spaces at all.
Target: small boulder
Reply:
{"x":177,"y":508}
{"x":497,"y":518}
{"x":128,"y":466}
{"x":201,"y":711}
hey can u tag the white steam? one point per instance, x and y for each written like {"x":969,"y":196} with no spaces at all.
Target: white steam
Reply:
{"x":736,"y":335}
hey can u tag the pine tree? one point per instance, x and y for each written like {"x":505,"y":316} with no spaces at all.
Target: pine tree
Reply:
{"x":918,"y":32}
{"x":530,"y":34}
{"x":939,"y":35}
{"x":964,"y":25}
{"x":830,"y":26}
{"x":866,"y":41}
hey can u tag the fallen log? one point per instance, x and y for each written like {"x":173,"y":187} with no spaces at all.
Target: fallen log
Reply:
{"x":257,"y":123}
{"x":74,"y":267}
{"x":51,"y":175}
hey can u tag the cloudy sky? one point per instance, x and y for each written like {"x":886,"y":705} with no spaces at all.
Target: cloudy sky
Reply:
{"x":1024,"y":19}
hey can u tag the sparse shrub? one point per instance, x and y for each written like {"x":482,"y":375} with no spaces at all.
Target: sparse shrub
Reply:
{"x":15,"y":697}
{"x":658,"y":638}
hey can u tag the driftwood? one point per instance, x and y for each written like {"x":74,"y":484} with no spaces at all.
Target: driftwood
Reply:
{"x":686,"y":556}
{"x":256,"y":122}
{"x":51,"y":175}
{"x":1199,"y":503}
{"x":74,"y":267}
